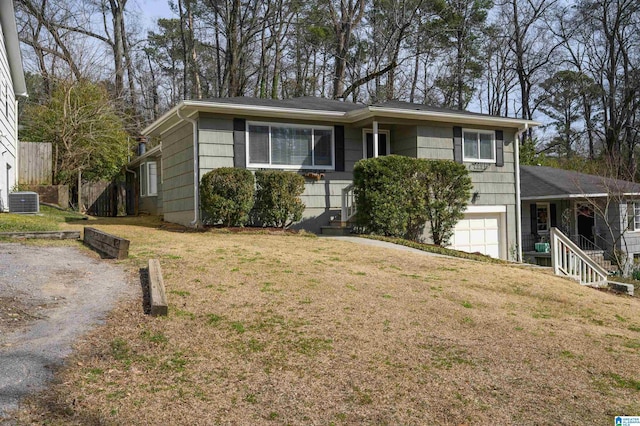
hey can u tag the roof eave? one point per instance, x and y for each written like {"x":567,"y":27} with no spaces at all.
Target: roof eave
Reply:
{"x":191,"y":107}
{"x":575,"y":196}
{"x":442,"y":116}
{"x":254,"y":110}
{"x":152,"y":152}
{"x":12,"y":43}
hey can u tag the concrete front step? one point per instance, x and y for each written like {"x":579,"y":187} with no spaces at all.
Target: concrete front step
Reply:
{"x":338,"y":223}
{"x":335,"y":230}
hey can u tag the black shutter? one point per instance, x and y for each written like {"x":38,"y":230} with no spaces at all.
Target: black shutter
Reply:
{"x":339,"y":145}
{"x":499,"y":148}
{"x":457,"y":144}
{"x":552,"y":212}
{"x":534,"y":218}
{"x":239,"y":143}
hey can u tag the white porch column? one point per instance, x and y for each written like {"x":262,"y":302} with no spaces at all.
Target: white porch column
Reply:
{"x":375,"y":139}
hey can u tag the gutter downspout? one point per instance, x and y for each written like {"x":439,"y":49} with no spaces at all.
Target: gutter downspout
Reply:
{"x":518,"y":198}
{"x":196,"y":169}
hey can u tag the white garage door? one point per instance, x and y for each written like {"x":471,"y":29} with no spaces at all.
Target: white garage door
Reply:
{"x":478,"y":233}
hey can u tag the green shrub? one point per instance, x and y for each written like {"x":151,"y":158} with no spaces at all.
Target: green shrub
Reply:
{"x":389,"y":197}
{"x":396,"y":196}
{"x":226,"y":195}
{"x":448,"y":188}
{"x":278,"y":200}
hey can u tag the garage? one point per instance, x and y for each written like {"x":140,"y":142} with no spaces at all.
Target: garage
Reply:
{"x":478,"y":232}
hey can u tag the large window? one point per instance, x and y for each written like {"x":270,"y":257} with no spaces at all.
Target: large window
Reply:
{"x":633,"y":216}
{"x":542,"y":218}
{"x":288,"y":146}
{"x":149,"y":179}
{"x":479,"y":146}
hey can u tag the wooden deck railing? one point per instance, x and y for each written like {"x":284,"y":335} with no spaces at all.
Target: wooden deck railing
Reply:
{"x":569,"y":260}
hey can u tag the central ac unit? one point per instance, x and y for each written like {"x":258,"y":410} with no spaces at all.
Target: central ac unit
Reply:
{"x":24,"y":202}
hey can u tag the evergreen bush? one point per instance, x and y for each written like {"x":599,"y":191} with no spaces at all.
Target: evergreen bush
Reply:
{"x":227,"y":196}
{"x":396,"y":196}
{"x":278,"y":200}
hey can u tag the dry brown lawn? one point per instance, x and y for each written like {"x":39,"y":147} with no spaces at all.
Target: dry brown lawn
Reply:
{"x":286,"y":329}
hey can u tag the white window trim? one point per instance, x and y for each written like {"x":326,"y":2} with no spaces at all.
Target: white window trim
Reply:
{"x":365,"y":132}
{"x":633,"y":203}
{"x":493,"y":147}
{"x":143,"y":187}
{"x":285,"y":166}
{"x":145,"y":190}
{"x":548,"y":206}
{"x":149,"y":192}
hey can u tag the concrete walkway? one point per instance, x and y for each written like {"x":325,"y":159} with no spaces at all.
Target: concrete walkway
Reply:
{"x":385,"y":244}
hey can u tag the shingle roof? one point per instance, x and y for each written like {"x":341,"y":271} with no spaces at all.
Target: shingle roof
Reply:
{"x":421,"y":107}
{"x":304,"y":102}
{"x":541,"y":181}
{"x":322,"y":109}
{"x":324,"y":104}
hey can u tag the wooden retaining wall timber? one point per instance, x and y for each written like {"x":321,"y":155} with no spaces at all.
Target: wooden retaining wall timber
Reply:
{"x":106,"y":244}
{"x":47,"y":235}
{"x":158,"y":296}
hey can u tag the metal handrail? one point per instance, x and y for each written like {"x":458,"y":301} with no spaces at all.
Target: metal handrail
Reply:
{"x":584,"y":243}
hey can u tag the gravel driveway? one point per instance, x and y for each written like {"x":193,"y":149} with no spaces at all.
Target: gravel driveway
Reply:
{"x":49,"y":297}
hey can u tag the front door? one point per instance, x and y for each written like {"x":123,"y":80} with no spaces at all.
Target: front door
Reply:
{"x":585,"y":219}
{"x":383,"y":143}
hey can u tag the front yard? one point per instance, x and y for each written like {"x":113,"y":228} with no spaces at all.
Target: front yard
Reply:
{"x":294,"y":329}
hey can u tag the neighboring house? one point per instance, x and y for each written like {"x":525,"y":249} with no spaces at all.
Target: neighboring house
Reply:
{"x":321,"y":136}
{"x":144,"y":181}
{"x":12,"y":84}
{"x":599,"y":214}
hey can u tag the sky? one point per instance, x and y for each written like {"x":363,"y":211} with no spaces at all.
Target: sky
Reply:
{"x":152,"y":10}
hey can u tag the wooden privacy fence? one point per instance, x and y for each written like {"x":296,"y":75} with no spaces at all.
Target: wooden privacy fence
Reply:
{"x":34,"y":163}
{"x":104,"y":198}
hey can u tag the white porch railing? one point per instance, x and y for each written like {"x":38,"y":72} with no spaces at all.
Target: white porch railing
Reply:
{"x":348,"y":203}
{"x":567,"y":259}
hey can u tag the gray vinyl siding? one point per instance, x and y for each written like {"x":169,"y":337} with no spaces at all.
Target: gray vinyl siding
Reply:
{"x":152,"y":204}
{"x":403,"y":141}
{"x":630,"y":241}
{"x":321,"y":198}
{"x":495,"y":186}
{"x":177,"y":172}
{"x":435,"y":141}
{"x":215,"y":148}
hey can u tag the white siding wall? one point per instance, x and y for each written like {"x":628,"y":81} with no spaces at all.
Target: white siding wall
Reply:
{"x":8,"y":130}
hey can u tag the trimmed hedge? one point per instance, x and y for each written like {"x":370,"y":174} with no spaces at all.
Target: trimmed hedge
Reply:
{"x":227,"y":195}
{"x":387,"y":196}
{"x":448,"y":189}
{"x":397,"y":195}
{"x":278,"y":200}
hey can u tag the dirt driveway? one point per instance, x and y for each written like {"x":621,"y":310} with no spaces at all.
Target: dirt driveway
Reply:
{"x":49,"y":297}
